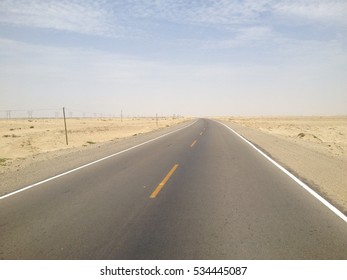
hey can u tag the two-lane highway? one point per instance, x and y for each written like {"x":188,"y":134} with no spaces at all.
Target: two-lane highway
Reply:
{"x":199,"y":193}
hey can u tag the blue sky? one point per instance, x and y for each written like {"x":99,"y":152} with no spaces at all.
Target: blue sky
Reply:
{"x":199,"y":58}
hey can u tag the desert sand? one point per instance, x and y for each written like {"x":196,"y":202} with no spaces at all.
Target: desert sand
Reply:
{"x":313,"y":148}
{"x":21,"y":139}
{"x":326,"y":134}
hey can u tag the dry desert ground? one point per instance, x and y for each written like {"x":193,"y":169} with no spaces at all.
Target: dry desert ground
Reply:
{"x":21,"y":139}
{"x":313,"y":148}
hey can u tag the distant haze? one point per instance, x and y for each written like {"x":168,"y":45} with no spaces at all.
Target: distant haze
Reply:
{"x":197,"y":58}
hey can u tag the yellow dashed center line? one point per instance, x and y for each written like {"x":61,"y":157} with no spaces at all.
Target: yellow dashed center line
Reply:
{"x":192,"y":145}
{"x":162,"y":183}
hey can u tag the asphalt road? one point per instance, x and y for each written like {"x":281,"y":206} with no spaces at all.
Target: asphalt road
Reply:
{"x":199,"y":193}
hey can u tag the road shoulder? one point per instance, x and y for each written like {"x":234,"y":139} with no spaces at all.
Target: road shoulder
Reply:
{"x":326,"y":175}
{"x":45,"y":165}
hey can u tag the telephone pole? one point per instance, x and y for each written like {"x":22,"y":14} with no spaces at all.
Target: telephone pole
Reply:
{"x":67,"y":142}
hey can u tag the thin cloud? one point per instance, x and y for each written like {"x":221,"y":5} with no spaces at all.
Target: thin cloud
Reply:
{"x":327,"y":11}
{"x":125,"y":18}
{"x":86,"y":17}
{"x":234,"y":12}
{"x":198,"y":12}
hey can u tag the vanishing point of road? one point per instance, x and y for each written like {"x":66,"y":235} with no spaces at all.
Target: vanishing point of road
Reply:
{"x":201,"y":192}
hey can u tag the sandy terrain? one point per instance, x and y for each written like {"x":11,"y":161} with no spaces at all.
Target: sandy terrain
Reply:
{"x":314,"y":148}
{"x":21,"y":139}
{"x":326,"y":134}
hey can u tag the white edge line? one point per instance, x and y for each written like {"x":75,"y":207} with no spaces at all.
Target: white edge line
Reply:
{"x":296,"y":179}
{"x":91,"y":163}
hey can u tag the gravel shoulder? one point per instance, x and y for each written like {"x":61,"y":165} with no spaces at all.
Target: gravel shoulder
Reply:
{"x":24,"y":172}
{"x":324,"y":172}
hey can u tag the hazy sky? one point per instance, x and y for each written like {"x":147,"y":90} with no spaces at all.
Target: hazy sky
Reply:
{"x":257,"y":57}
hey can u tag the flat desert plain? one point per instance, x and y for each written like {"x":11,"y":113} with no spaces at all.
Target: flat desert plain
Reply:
{"x":313,"y":148}
{"x":22,"y":139}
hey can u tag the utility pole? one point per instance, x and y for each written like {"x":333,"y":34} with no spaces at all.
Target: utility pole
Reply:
{"x":8,"y":114}
{"x":121,"y":115}
{"x":67,"y":142}
{"x":156,"y":118}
